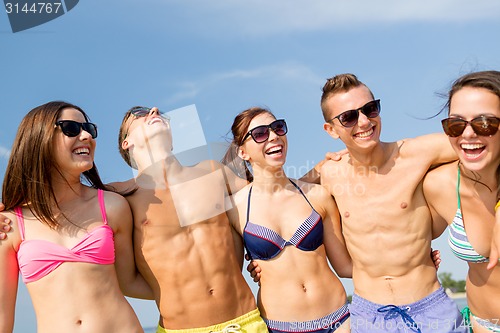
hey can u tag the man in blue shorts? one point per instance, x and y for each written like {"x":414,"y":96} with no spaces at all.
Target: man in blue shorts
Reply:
{"x":386,"y":222}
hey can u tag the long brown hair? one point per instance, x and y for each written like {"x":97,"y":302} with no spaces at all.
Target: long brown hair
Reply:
{"x":239,"y":129}
{"x":489,"y":80}
{"x":28,"y":177}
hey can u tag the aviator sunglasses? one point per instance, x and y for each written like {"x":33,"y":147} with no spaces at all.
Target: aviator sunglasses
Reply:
{"x":482,"y":125}
{"x":261,"y":133}
{"x":142,"y":111}
{"x":349,"y":118}
{"x":73,"y":128}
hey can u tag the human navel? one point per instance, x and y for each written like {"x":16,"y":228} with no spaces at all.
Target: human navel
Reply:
{"x":389,"y":280}
{"x":304,"y":287}
{"x":79,"y":322}
{"x":211,"y":291}
{"x":404,"y":205}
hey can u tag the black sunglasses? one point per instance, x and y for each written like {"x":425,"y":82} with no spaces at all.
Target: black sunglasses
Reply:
{"x":482,"y":125}
{"x":73,"y":128}
{"x":349,"y":118}
{"x":142,"y":111}
{"x":260,"y":134}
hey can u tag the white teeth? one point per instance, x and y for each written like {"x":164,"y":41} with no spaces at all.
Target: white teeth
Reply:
{"x":81,"y":151}
{"x":471,"y":145}
{"x":365,"y":134}
{"x":273,"y":150}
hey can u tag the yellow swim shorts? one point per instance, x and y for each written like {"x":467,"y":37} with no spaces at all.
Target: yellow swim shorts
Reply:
{"x":250,"y":322}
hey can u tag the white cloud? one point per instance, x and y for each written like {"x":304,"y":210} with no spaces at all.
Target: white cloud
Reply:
{"x":263,"y":17}
{"x":287,"y":71}
{"x":4,"y":153}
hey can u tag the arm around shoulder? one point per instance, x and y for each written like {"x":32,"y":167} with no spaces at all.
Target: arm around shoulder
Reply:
{"x":120,"y":220}
{"x":438,"y":192}
{"x":313,"y":176}
{"x":436,"y":147}
{"x":333,"y":237}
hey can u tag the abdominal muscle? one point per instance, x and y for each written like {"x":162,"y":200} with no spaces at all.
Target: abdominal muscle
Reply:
{"x":391,"y":253}
{"x":299,"y":286}
{"x":196,"y":267}
{"x":403,"y":286}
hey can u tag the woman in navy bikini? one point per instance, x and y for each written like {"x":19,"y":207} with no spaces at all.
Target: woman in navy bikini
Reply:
{"x":463,"y":194}
{"x":282,"y":222}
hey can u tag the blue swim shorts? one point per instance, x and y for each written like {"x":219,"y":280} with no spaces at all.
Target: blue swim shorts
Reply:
{"x":435,"y":313}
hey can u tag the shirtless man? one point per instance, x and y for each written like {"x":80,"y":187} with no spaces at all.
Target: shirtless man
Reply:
{"x":386,"y":222}
{"x":183,"y":242}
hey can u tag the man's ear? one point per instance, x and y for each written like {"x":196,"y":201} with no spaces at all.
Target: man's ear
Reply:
{"x":330,"y":129}
{"x":126,"y":144}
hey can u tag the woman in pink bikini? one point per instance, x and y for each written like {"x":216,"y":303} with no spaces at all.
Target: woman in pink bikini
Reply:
{"x":68,"y":237}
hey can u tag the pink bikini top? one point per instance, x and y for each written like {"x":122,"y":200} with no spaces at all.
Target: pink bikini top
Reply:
{"x":37,"y":258}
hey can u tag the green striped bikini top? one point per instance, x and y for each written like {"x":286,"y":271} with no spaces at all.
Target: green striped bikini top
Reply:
{"x":457,"y":237}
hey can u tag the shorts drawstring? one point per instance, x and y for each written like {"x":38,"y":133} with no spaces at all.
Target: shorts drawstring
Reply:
{"x":231,"y":328}
{"x":393,"y":311}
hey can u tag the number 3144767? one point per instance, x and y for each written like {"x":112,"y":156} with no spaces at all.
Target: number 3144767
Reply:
{"x":34,"y":8}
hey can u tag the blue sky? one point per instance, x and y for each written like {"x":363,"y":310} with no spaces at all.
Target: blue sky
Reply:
{"x":216,"y":58}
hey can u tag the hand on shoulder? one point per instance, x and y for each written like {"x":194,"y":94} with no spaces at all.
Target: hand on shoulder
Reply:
{"x":8,"y":227}
{"x":332,"y":168}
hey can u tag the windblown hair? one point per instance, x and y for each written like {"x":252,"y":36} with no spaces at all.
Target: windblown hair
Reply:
{"x":28,"y":177}
{"x":489,"y":80}
{"x":239,"y":129}
{"x":339,"y":83}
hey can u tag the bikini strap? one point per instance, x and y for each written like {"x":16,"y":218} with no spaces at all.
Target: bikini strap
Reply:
{"x":298,"y":188}
{"x":246,"y":223}
{"x":100,"y":196}
{"x":458,"y":188}
{"x":20,"y":220}
{"x":248,"y":205}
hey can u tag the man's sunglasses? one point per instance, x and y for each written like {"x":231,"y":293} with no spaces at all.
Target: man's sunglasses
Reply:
{"x":350,"y":118}
{"x":261,"y":133}
{"x":142,"y":111}
{"x":482,"y":125}
{"x":73,"y":128}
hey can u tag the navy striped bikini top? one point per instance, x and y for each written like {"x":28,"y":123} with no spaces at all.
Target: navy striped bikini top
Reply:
{"x":264,"y":244}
